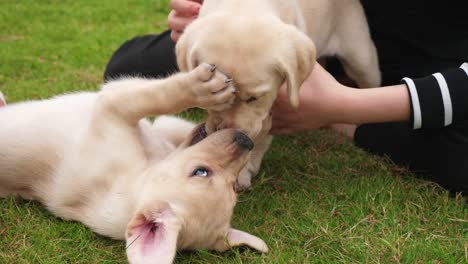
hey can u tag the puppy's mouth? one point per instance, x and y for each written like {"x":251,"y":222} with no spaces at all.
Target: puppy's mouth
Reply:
{"x":199,"y":134}
{"x":240,"y":138}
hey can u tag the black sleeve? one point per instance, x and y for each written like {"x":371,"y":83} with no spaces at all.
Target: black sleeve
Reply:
{"x":440,"y":99}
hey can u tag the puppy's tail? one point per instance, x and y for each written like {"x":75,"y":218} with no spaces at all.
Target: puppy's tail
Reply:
{"x":2,"y":99}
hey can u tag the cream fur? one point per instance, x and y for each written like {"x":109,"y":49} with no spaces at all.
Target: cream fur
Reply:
{"x":262,"y":43}
{"x":91,"y":157}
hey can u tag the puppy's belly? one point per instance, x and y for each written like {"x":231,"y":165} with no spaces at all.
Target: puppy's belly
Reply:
{"x":32,"y":141}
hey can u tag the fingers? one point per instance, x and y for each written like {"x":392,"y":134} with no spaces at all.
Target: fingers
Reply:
{"x":281,"y":125}
{"x":282,"y":107}
{"x":185,"y":7}
{"x":183,"y":13}
{"x":175,"y":35}
{"x":177,"y":22}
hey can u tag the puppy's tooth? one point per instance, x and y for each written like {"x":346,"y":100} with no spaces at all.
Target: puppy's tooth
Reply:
{"x":228,"y":80}
{"x":213,"y":67}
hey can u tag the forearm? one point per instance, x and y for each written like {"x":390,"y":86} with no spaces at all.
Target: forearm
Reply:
{"x":433,"y":101}
{"x":375,"y":105}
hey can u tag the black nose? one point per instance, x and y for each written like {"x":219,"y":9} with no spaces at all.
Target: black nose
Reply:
{"x":243,"y":140}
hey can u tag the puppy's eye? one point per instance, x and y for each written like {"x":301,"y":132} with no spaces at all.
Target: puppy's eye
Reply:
{"x":251,"y":99}
{"x":201,"y":172}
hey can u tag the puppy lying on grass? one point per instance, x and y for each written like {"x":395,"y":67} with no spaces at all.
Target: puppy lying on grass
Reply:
{"x":93,"y":158}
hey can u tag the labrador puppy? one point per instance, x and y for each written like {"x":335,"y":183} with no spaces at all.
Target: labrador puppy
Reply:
{"x":262,"y":43}
{"x":93,"y":158}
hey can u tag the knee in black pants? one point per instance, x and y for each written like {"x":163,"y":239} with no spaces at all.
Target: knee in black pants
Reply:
{"x":146,"y":56}
{"x":440,"y":155}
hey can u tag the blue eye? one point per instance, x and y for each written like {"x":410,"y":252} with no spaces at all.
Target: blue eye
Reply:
{"x":201,"y":172}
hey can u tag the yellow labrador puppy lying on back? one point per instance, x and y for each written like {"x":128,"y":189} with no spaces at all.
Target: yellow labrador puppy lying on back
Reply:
{"x":91,"y":157}
{"x":262,"y":43}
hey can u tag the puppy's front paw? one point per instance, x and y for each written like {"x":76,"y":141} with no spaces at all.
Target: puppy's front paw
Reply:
{"x":244,"y":181}
{"x":211,"y":88}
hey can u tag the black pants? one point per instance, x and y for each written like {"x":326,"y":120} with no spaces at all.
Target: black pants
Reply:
{"x":146,"y":56}
{"x":441,"y":155}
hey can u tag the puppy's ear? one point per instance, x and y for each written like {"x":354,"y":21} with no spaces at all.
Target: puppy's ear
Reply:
{"x":295,"y":61}
{"x":196,"y":135}
{"x":151,"y":235}
{"x":236,"y":238}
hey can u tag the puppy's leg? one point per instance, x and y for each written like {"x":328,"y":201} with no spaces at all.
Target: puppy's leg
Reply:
{"x":262,"y":143}
{"x":357,"y":52}
{"x":133,"y":99}
{"x":361,"y":64}
{"x":244,"y":181}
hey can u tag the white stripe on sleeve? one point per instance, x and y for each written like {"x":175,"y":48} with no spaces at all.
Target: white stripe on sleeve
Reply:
{"x":445,"y":98}
{"x":465,"y":67}
{"x":417,"y":124}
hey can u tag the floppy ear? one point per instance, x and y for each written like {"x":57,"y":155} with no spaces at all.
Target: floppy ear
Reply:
{"x":196,"y":135}
{"x":152,"y":235}
{"x":236,"y":238}
{"x":296,"y":60}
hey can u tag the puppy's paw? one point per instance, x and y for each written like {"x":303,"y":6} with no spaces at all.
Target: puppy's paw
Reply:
{"x":241,"y":186}
{"x":244,"y":181}
{"x":211,"y":88}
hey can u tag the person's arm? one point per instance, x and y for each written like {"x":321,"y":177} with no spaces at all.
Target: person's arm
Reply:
{"x":385,"y":104}
{"x":440,"y":99}
{"x":423,"y":101}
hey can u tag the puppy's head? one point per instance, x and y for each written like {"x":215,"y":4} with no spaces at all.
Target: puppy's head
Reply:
{"x":188,"y":199}
{"x":258,"y":53}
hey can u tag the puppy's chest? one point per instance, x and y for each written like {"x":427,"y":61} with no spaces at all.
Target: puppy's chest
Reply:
{"x":97,"y":161}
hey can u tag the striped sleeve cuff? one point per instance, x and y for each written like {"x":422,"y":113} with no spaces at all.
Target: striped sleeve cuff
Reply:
{"x":440,"y":99}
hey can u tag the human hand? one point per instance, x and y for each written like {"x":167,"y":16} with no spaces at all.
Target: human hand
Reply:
{"x":321,"y":103}
{"x":183,"y":13}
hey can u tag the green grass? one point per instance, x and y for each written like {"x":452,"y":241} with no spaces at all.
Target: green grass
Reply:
{"x":318,"y":199}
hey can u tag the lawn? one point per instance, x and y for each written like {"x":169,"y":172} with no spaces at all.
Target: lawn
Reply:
{"x":318,"y":199}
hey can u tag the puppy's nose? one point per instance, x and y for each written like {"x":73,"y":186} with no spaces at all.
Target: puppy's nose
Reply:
{"x":243,"y":140}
